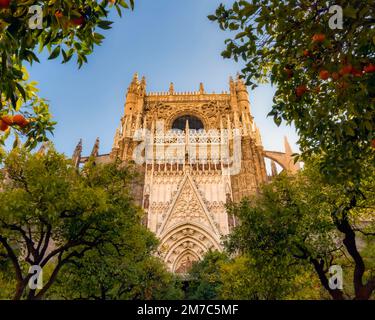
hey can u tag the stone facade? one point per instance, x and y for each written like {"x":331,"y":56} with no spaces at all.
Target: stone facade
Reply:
{"x":186,"y":178}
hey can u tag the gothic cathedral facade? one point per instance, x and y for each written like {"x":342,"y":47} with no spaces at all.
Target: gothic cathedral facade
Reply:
{"x":195,"y":152}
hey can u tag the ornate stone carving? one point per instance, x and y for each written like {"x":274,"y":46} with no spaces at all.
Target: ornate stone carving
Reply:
{"x":185,"y":202}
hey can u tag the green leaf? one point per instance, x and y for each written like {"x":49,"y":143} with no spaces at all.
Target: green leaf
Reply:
{"x":55,"y":53}
{"x":105,"y":24}
{"x":22,"y":91}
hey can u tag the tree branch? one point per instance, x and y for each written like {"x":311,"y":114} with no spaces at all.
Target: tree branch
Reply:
{"x":60,"y":264}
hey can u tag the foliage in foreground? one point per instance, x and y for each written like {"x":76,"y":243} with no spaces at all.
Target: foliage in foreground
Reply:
{"x":219,"y":276}
{"x":301,"y":222}
{"x":106,"y":275}
{"x":325,"y":77}
{"x":81,"y":227}
{"x":68,"y":28}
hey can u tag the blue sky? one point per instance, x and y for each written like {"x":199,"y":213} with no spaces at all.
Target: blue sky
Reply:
{"x":165,"y":40}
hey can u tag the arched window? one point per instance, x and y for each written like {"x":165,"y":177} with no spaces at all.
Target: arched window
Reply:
{"x":194,"y":123}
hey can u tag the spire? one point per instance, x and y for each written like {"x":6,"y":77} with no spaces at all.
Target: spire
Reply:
{"x":273,"y":168}
{"x":135,"y":77}
{"x":143,"y":85}
{"x":134,"y":84}
{"x":43,"y":147}
{"x":77,"y":154}
{"x":287,"y":148}
{"x":117,"y":139}
{"x":258,"y":137}
{"x":95,"y":149}
{"x":231,"y":83}
{"x":171,"y":88}
{"x":233,"y":94}
{"x":201,"y":88}
{"x":240,"y":83}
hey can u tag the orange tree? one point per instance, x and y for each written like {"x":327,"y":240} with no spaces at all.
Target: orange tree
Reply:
{"x":65,"y":28}
{"x":324,"y":77}
{"x":61,"y":219}
{"x":299,"y":223}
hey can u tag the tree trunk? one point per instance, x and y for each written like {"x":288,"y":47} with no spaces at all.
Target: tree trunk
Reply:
{"x":20,"y":288}
{"x":336,"y":294}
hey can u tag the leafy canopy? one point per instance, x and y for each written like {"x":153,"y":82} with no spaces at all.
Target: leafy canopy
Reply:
{"x":325,"y":77}
{"x":301,"y":220}
{"x":59,"y":218}
{"x":69,"y":28}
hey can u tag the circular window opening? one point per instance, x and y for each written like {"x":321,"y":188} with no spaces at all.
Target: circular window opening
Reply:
{"x":194,"y":123}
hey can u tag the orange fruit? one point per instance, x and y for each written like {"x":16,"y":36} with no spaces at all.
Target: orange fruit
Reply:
{"x":301,"y":90}
{"x":346,"y":69}
{"x":20,"y":120}
{"x":318,"y":37}
{"x":306,"y":53}
{"x":78,"y":21}
{"x":59,"y":14}
{"x":324,"y":74}
{"x":369,"y":68}
{"x":8,"y":119}
{"x":3,"y":126}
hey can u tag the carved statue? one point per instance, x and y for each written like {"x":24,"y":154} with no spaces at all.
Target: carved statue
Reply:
{"x":146,"y":202}
{"x":185,"y":265}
